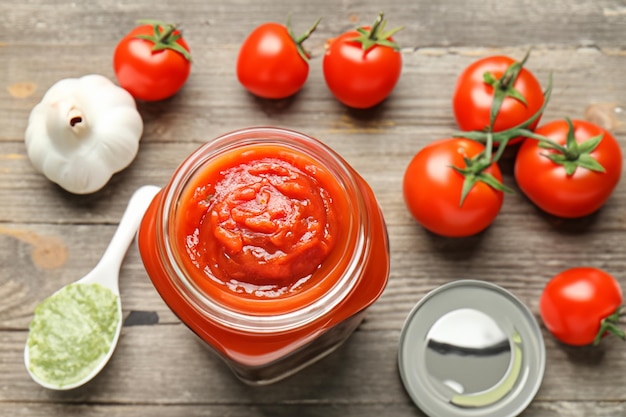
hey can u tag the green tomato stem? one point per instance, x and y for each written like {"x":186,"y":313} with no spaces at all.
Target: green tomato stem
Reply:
{"x":376,"y":35}
{"x":308,"y":33}
{"x":504,"y":87}
{"x":504,"y":136}
{"x":377,"y":23}
{"x":164,"y":39}
{"x":166,"y":33}
{"x":572,"y":155}
{"x":610,"y":325}
{"x":300,"y":39}
{"x":474,"y":172}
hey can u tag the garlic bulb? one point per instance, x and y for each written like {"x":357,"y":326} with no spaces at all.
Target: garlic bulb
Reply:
{"x":82,"y":132}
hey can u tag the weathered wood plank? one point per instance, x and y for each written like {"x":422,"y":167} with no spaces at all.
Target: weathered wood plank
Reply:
{"x":417,"y":112}
{"x":442,"y":23}
{"x":166,"y":365}
{"x":49,"y":237}
{"x":536,"y":409}
{"x":520,"y":252}
{"x":212,"y":102}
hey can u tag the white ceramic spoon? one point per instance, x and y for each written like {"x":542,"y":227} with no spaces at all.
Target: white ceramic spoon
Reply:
{"x":106,"y":273}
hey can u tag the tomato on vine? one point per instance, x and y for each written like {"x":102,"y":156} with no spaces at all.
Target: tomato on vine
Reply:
{"x":152,"y":62}
{"x":496,"y":93}
{"x":272,"y":63}
{"x":568,"y":168}
{"x":453,"y":188}
{"x":361,"y":67}
{"x":581,"y":305}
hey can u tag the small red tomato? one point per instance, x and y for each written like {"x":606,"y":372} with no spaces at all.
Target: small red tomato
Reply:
{"x":361,"y":67}
{"x":580,"y":305}
{"x":272,"y":62}
{"x":433,"y":188}
{"x":477,"y":86}
{"x":576,"y":180}
{"x":152,"y":62}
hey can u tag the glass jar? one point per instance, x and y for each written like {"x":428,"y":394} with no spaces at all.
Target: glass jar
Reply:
{"x":271,"y":325}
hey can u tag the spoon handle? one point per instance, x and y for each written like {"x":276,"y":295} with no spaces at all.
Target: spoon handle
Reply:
{"x":125,"y":233}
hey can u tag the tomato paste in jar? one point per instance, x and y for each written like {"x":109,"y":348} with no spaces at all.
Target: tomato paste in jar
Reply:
{"x":269,"y":247}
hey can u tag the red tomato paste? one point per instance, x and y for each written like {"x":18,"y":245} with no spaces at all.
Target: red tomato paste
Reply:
{"x":258,"y":224}
{"x":269,"y":247}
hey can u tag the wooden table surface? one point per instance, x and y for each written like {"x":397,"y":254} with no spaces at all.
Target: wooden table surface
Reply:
{"x":49,"y":237}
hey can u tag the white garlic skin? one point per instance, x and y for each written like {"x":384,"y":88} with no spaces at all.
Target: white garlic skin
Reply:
{"x":82,"y":132}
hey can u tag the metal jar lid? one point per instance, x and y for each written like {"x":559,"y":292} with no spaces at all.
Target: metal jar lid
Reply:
{"x":471,"y":348}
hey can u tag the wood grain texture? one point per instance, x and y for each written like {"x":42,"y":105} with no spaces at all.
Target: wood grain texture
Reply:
{"x":49,"y":238}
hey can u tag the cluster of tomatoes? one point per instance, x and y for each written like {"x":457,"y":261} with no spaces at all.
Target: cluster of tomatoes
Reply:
{"x":452,"y":187}
{"x":361,"y":67}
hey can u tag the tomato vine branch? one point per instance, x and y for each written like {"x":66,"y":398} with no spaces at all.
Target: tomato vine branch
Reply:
{"x":503,"y":137}
{"x":475,"y":167}
{"x":572,"y":155}
{"x":504,"y":87}
{"x":474,"y":172}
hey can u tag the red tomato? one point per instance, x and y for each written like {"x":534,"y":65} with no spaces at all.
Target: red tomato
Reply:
{"x":473,"y":97}
{"x":362,"y":73}
{"x":432,"y":190}
{"x":152,"y":62}
{"x":272,"y":63}
{"x":575,"y":302}
{"x":551,"y":188}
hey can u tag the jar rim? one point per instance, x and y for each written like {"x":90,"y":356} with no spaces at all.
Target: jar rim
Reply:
{"x":286,"y":320}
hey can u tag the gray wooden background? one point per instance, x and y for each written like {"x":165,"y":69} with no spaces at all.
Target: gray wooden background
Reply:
{"x":49,"y":238}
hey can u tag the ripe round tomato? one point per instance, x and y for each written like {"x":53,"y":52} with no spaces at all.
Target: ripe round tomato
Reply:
{"x":362,"y":73}
{"x":548,"y":184}
{"x":432,"y":189}
{"x":575,"y":302}
{"x":152,"y":62}
{"x":272,"y":63}
{"x":473,"y":97}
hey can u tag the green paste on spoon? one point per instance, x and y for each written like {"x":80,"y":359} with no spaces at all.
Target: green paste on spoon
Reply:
{"x":71,"y":332}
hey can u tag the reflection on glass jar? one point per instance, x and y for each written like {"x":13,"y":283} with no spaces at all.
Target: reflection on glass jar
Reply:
{"x":269,"y":246}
